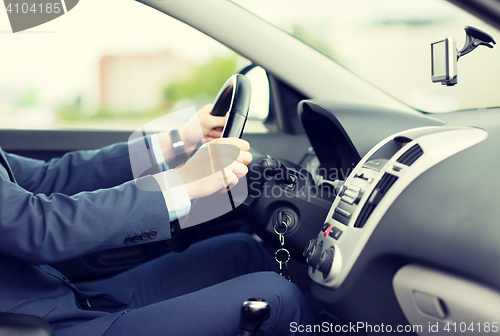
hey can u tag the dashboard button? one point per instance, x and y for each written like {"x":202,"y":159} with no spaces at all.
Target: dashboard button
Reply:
{"x":343,"y":212}
{"x":351,"y":193}
{"x":341,"y":218}
{"x":363,"y":177}
{"x":327,"y":231}
{"x":354,"y":193}
{"x":354,"y":188}
{"x":348,"y":199}
{"x":373,"y":163}
{"x":335,"y":233}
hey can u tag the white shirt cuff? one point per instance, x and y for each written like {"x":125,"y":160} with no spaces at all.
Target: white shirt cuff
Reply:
{"x":175,"y":193}
{"x":160,"y":160}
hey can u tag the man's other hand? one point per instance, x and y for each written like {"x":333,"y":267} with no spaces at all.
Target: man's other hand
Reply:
{"x":200,"y":128}
{"x":211,"y":127}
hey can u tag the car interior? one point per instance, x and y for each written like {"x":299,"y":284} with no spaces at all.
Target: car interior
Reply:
{"x":386,"y":207}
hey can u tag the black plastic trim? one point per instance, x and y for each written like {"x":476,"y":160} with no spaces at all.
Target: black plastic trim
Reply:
{"x":376,"y":196}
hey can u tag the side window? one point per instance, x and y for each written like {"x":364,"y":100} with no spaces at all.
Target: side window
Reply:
{"x":116,"y":71}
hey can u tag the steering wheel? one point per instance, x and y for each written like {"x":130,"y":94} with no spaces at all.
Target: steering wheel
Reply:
{"x":233,"y":99}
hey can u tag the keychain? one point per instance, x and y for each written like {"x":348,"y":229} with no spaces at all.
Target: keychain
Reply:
{"x":282,"y":255}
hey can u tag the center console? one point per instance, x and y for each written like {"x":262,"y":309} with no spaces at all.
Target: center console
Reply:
{"x":371,"y":188}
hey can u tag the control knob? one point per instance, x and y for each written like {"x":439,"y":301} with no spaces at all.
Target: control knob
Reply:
{"x":325,"y":262}
{"x":314,"y":255}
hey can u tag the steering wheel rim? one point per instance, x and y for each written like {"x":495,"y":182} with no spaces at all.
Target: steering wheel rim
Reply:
{"x":233,"y":99}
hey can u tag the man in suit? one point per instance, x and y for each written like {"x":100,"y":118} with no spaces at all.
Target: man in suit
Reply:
{"x":88,"y":201}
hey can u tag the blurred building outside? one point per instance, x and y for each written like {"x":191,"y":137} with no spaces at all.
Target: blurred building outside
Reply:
{"x":135,"y":83}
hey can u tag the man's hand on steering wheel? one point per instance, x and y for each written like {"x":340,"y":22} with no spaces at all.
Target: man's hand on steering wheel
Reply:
{"x":190,"y":133}
{"x":202,"y":174}
{"x":211,"y":126}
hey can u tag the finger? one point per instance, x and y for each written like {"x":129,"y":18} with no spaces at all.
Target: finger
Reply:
{"x":206,"y":109}
{"x":215,"y":121}
{"x":222,"y":155}
{"x":214,"y":134}
{"x":239,"y":169}
{"x":247,"y":157}
{"x":230,"y":179}
{"x":244,"y":157}
{"x":233,"y":180}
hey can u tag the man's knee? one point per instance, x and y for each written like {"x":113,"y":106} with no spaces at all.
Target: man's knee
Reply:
{"x":288,"y":303}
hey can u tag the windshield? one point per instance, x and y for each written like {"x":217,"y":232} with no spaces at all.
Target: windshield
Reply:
{"x":387,"y":43}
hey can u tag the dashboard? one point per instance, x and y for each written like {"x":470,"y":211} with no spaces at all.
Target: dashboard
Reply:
{"x":409,"y":236}
{"x":372,"y":188}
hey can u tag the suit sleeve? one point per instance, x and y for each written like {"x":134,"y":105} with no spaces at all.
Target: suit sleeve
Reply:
{"x":78,"y":171}
{"x":46,"y":229}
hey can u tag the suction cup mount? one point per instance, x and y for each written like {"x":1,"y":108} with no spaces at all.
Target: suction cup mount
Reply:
{"x":474,"y":39}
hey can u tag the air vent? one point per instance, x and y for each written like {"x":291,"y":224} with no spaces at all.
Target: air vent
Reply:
{"x":411,"y":155}
{"x":377,"y":194}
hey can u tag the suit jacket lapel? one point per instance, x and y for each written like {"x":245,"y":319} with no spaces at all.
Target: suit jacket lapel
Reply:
{"x":5,"y":164}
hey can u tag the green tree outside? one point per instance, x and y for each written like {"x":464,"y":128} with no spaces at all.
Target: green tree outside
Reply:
{"x":204,"y":83}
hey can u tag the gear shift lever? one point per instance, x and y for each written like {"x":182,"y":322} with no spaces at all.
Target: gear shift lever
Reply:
{"x":253,"y":313}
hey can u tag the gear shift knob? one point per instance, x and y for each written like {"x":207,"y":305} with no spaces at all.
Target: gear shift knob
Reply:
{"x":253,"y":313}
